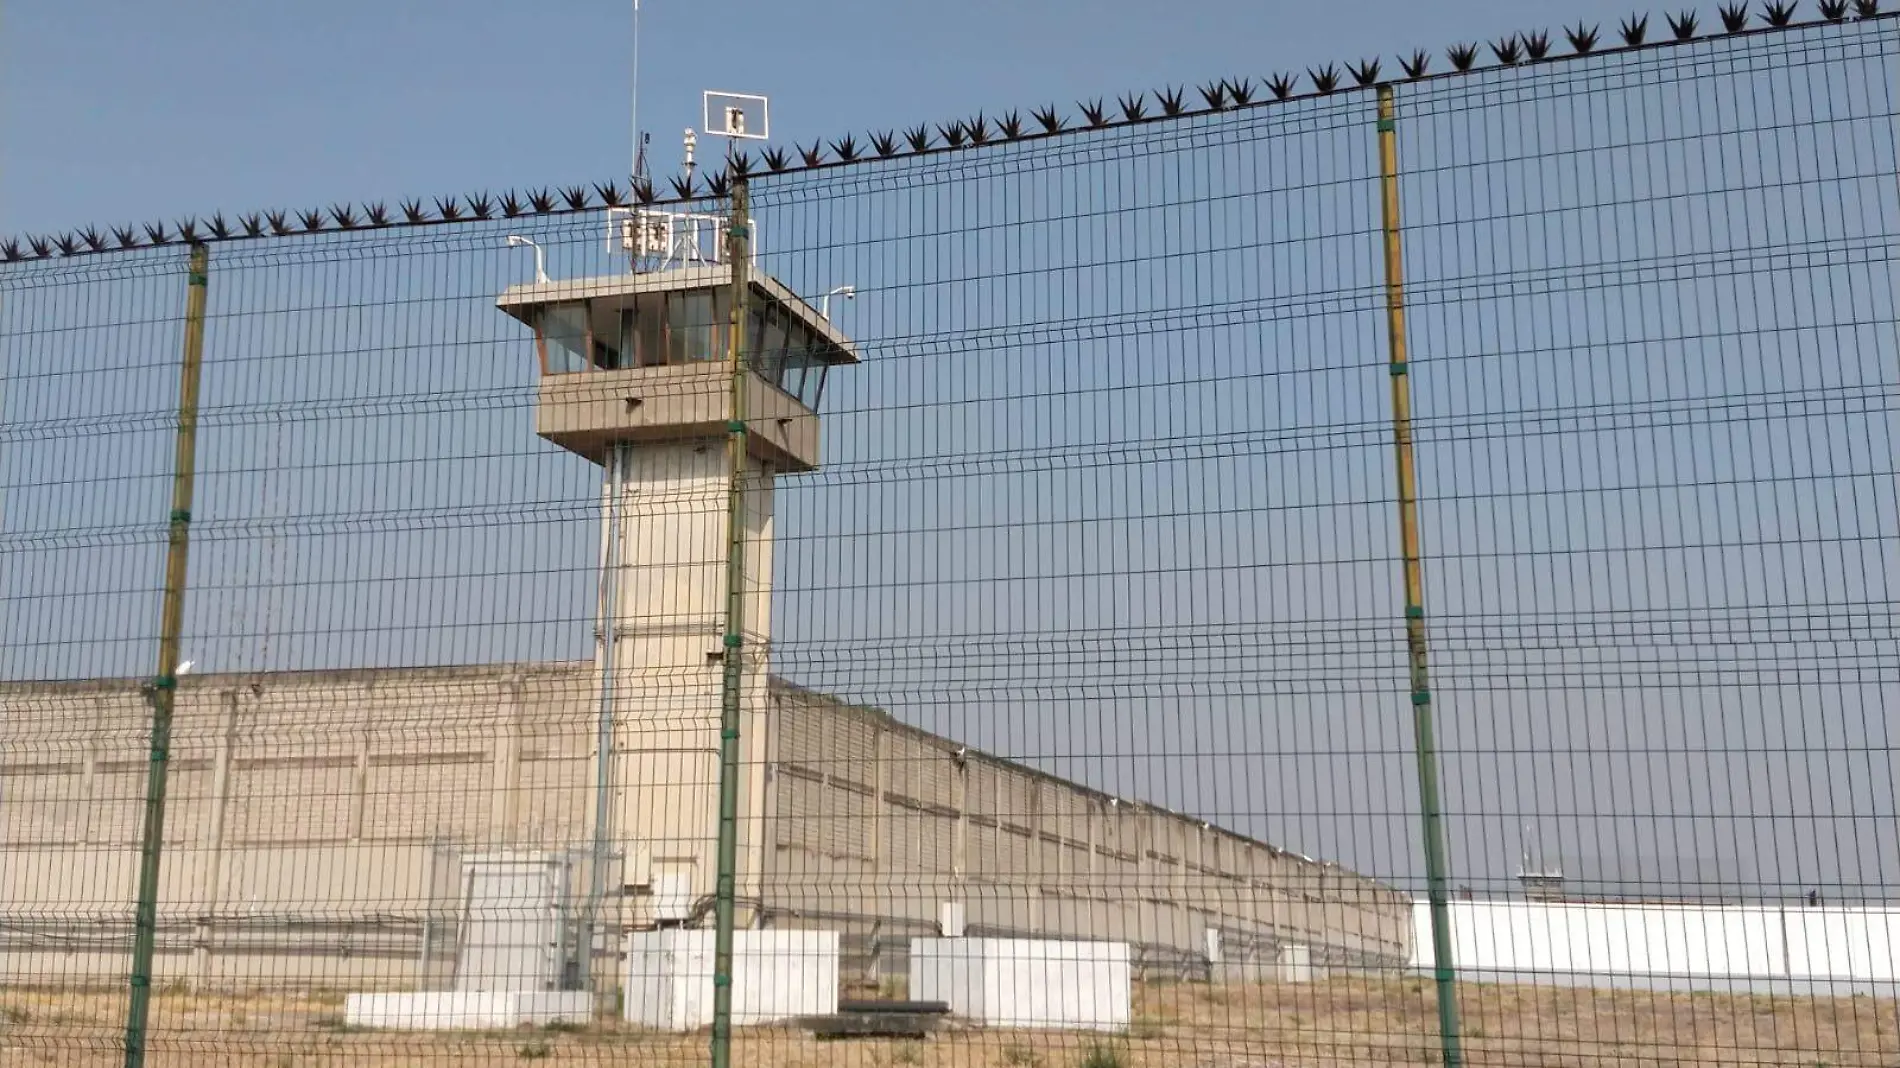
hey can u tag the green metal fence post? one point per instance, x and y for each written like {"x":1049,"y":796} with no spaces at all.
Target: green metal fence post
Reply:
{"x":739,"y":255}
{"x":162,"y":691}
{"x":1426,"y":749}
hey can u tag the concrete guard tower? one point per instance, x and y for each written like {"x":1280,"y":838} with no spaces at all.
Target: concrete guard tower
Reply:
{"x":635,"y":375}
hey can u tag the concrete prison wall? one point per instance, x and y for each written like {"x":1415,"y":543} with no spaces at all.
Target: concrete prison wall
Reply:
{"x":317,"y":824}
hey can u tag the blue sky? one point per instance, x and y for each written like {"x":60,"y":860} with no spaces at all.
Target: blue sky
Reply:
{"x":115,"y":111}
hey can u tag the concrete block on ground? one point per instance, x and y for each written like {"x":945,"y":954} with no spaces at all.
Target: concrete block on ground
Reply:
{"x":464,"y":1010}
{"x":1027,"y":982}
{"x":776,"y":975}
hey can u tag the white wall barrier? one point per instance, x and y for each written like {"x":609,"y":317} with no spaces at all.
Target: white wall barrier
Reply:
{"x":1525,"y":939}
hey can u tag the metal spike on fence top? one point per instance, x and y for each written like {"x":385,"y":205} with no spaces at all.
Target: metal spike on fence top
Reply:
{"x":1172,"y":101}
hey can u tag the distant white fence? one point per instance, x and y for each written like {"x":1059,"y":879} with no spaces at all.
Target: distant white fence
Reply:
{"x":1667,"y":945}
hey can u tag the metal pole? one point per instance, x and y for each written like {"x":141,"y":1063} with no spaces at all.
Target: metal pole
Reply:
{"x":604,"y":720}
{"x":738,"y":254}
{"x":162,"y":691}
{"x":1426,"y":749}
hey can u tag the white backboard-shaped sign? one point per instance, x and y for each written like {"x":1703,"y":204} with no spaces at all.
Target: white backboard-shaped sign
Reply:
{"x":736,"y":115}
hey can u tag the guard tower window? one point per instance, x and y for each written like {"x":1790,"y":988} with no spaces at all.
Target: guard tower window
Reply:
{"x":563,"y":334}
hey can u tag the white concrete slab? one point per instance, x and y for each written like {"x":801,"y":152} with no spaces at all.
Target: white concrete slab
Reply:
{"x":1026,"y":982}
{"x":777,"y":975}
{"x":464,"y":1010}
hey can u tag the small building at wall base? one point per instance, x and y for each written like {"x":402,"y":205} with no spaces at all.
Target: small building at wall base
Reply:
{"x":327,"y":829}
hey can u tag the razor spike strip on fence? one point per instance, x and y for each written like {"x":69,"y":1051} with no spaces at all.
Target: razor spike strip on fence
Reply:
{"x":541,"y":200}
{"x":312,"y":221}
{"x":1365,"y":72}
{"x":1010,"y":125}
{"x":511,"y":205}
{"x":845,"y":148}
{"x":682,"y":186}
{"x":883,"y":143}
{"x":1220,"y":96}
{"x":578,"y":197}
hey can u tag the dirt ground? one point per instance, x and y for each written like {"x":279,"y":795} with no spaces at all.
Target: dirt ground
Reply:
{"x":1322,"y":1024}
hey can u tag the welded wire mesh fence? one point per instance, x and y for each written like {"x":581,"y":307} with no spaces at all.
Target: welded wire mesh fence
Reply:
{"x":1075,"y":691}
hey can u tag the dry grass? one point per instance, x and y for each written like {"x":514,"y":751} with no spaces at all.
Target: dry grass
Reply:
{"x":1339,"y":1022}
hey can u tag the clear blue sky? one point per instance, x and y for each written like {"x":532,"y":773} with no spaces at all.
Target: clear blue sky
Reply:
{"x":114,"y":111}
